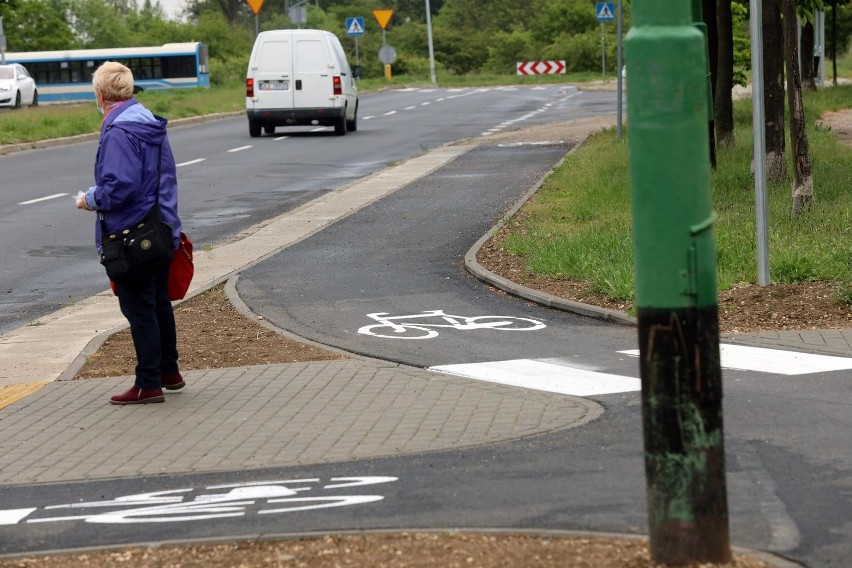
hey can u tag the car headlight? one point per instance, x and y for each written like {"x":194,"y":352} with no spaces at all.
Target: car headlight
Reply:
{"x":5,"y":87}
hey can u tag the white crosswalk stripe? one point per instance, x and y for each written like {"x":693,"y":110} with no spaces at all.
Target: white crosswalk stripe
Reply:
{"x":557,"y":376}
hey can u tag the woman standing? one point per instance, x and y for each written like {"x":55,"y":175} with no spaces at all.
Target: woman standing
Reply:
{"x":134,"y":171}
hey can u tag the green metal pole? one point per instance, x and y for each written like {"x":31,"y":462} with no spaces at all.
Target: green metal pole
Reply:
{"x":677,"y":306}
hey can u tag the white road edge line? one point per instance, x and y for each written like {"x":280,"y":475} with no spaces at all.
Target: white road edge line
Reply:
{"x":49,"y":197}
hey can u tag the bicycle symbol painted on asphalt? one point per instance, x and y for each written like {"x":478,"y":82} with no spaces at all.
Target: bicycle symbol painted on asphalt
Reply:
{"x":425,"y":323}
{"x":212,"y":502}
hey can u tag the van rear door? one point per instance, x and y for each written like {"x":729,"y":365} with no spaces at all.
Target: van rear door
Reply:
{"x":313,"y":87}
{"x":274,"y":74}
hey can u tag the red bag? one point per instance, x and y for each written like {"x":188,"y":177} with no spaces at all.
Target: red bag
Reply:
{"x":180,"y":272}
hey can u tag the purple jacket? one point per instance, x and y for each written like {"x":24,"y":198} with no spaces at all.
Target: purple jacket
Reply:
{"x":126,"y":171}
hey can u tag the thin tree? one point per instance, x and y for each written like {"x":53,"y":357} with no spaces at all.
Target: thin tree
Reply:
{"x":723,"y":106}
{"x":806,"y":40}
{"x":803,"y":184}
{"x":773,"y":90}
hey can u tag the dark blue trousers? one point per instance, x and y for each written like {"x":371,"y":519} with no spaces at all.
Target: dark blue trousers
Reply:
{"x":144,"y":301}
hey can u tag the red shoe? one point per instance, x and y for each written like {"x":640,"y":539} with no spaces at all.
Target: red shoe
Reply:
{"x":138,"y":396}
{"x":172,"y":381}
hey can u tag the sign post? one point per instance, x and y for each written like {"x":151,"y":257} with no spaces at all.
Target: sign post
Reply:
{"x":355,"y":28}
{"x":255,"y":7}
{"x":606,"y":13}
{"x":2,"y":42}
{"x":387,"y":54}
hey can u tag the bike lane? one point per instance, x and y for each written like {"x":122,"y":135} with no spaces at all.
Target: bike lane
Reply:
{"x":400,"y":260}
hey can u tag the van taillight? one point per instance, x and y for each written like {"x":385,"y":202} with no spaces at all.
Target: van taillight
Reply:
{"x":249,"y":87}
{"x":338,"y":86}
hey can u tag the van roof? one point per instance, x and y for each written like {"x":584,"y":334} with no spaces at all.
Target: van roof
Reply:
{"x":294,"y":32}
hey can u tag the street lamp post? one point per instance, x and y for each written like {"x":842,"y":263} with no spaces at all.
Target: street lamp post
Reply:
{"x":431,"y":49}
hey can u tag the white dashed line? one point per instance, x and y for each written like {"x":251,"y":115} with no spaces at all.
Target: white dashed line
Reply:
{"x":410,"y":108}
{"x":189,"y":163}
{"x":390,"y":113}
{"x":54,"y":196}
{"x":367,"y":117}
{"x":281,"y":138}
{"x":240,"y":149}
{"x":424,"y":104}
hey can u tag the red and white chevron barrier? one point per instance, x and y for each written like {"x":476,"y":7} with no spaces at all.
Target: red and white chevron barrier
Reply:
{"x":541,"y":67}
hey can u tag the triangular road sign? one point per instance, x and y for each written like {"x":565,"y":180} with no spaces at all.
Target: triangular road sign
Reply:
{"x":383,"y":17}
{"x":255,"y":5}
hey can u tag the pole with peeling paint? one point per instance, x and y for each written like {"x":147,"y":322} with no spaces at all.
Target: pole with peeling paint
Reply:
{"x":676,"y":299}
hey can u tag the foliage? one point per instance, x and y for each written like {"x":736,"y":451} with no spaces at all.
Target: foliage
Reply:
{"x":742,"y":43}
{"x":35,"y":25}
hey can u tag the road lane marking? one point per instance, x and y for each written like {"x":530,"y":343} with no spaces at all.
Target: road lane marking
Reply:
{"x":367,"y":117}
{"x":49,"y":197}
{"x":281,"y":138}
{"x":544,"y":376}
{"x":390,"y":113}
{"x":410,"y":108}
{"x":189,"y":163}
{"x":240,"y":149}
{"x":777,"y":361}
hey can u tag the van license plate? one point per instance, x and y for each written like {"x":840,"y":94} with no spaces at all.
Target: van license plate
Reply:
{"x":274,"y":85}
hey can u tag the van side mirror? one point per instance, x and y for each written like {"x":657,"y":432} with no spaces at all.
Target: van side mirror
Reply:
{"x":357,"y":72}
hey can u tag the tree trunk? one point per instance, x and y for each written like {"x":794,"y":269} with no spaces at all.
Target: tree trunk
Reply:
{"x":807,"y":57}
{"x":803,"y":184}
{"x":708,"y":15}
{"x":723,"y":106}
{"x":773,"y":90}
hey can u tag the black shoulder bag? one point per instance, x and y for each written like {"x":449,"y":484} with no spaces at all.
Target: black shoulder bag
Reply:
{"x":142,"y":249}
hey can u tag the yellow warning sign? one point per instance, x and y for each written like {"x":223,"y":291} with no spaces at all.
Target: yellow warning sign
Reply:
{"x":255,"y":5}
{"x":383,"y":17}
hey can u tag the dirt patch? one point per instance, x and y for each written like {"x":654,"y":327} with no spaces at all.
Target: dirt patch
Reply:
{"x":415,"y":550}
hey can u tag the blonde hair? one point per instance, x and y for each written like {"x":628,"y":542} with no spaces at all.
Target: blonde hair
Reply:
{"x":114,"y":81}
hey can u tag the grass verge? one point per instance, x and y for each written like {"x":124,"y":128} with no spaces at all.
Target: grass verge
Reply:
{"x":578,"y":226}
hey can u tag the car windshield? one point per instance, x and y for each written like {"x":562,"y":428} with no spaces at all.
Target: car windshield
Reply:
{"x":7,"y":73}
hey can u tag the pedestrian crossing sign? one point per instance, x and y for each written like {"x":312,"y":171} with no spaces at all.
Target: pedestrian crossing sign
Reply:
{"x":355,"y":26}
{"x":606,"y":11}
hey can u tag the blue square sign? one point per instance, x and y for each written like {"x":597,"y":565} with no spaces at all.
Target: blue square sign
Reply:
{"x":355,"y":26}
{"x":605,"y":11}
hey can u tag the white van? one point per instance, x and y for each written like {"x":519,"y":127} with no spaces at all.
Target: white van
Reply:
{"x":298,"y":77}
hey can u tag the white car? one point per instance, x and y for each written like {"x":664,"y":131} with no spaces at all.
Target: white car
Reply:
{"x":16,"y":86}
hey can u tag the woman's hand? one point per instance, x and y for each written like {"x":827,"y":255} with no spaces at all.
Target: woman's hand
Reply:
{"x":81,"y":202}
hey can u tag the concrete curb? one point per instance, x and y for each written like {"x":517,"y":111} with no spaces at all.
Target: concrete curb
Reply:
{"x":485,"y":275}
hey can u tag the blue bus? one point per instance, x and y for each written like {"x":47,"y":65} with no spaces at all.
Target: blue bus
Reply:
{"x":67,"y":75}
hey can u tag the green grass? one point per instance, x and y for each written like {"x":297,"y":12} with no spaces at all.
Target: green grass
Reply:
{"x":578,"y":225}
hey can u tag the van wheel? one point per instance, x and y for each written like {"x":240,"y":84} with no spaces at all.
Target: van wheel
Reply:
{"x":352,"y":125}
{"x":269,"y":130}
{"x":340,"y":125}
{"x":254,"y":129}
